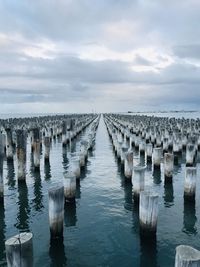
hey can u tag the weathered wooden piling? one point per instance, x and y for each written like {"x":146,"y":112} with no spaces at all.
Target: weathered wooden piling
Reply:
{"x":69,"y":182}
{"x":138,"y":181}
{"x":64,"y":133}
{"x":36,"y":148}
{"x":9,"y":144}
{"x":128,"y":168}
{"x":19,"y":250}
{"x":190,"y":155}
{"x":47,"y":144}
{"x":56,"y":211}
{"x":124,"y":149}
{"x":142,"y":147}
{"x":149,"y":152}
{"x":190,"y":183}
{"x":168,"y":166}
{"x":75,"y":168}
{"x":148,"y":212}
{"x":83,"y":152}
{"x":165,"y":144}
{"x":187,"y":256}
{"x":157,"y":156}
{"x":21,"y":155}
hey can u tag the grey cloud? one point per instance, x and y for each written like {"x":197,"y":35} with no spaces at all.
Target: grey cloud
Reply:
{"x":139,"y":60}
{"x":188,"y":51}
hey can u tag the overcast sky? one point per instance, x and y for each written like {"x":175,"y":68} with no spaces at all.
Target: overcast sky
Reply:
{"x":102,"y":55}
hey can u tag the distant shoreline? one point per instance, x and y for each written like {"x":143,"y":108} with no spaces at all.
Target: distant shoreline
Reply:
{"x":170,"y":111}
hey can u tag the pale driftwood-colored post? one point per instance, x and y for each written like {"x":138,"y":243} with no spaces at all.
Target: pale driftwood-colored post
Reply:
{"x":19,"y":250}
{"x":187,"y":256}
{"x":47,"y":144}
{"x":21,"y":155}
{"x":149,"y":152}
{"x":142,"y":147}
{"x":1,"y":167}
{"x":148,"y":212}
{"x":190,"y":154}
{"x":128,"y":168}
{"x":9,"y":144}
{"x":168,"y":166}
{"x":36,"y":148}
{"x":69,"y":182}
{"x":157,"y":156}
{"x":76,"y":170}
{"x":124,"y":149}
{"x":64,"y":132}
{"x":83,"y":152}
{"x":190,"y":183}
{"x":138,"y":181}
{"x":56,"y":211}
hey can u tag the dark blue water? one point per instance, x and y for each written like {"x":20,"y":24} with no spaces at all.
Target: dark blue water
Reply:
{"x":101,"y":229}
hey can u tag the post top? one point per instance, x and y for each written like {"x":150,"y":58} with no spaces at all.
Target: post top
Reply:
{"x":19,"y":239}
{"x":188,"y":253}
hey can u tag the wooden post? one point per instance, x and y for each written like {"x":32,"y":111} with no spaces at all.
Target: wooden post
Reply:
{"x":19,"y":250}
{"x":149,"y":152}
{"x":9,"y":144}
{"x":128,"y":169}
{"x":124,"y":149}
{"x":190,"y":183}
{"x":138,"y":181}
{"x":83,"y":152}
{"x":69,"y":186}
{"x":190,"y":154}
{"x":47,"y":143}
{"x":157,"y":155}
{"x":76,"y":170}
{"x":21,"y":154}
{"x":36,"y":148}
{"x":168,"y":166}
{"x":142,"y":147}
{"x":187,"y":256}
{"x":56,"y":211}
{"x":148,"y":212}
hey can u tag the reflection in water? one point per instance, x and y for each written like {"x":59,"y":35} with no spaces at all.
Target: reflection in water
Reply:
{"x":24,"y":210}
{"x":149,"y":166}
{"x":38,"y":195}
{"x":73,"y":146}
{"x":59,"y":138}
{"x":47,"y":170}
{"x":11,"y":174}
{"x":83,"y":172}
{"x":177,"y":159}
{"x":2,"y":232}
{"x":157,"y":175}
{"x":78,"y":189}
{"x":177,"y":169}
{"x":70,"y":214}
{"x":65,"y":161}
{"x":189,"y":218}
{"x":168,"y":195}
{"x":128,"y":195}
{"x":57,"y":253}
{"x":135,"y":217}
{"x":148,"y":251}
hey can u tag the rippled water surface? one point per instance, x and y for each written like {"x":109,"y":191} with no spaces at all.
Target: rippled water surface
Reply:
{"x":101,"y":228}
